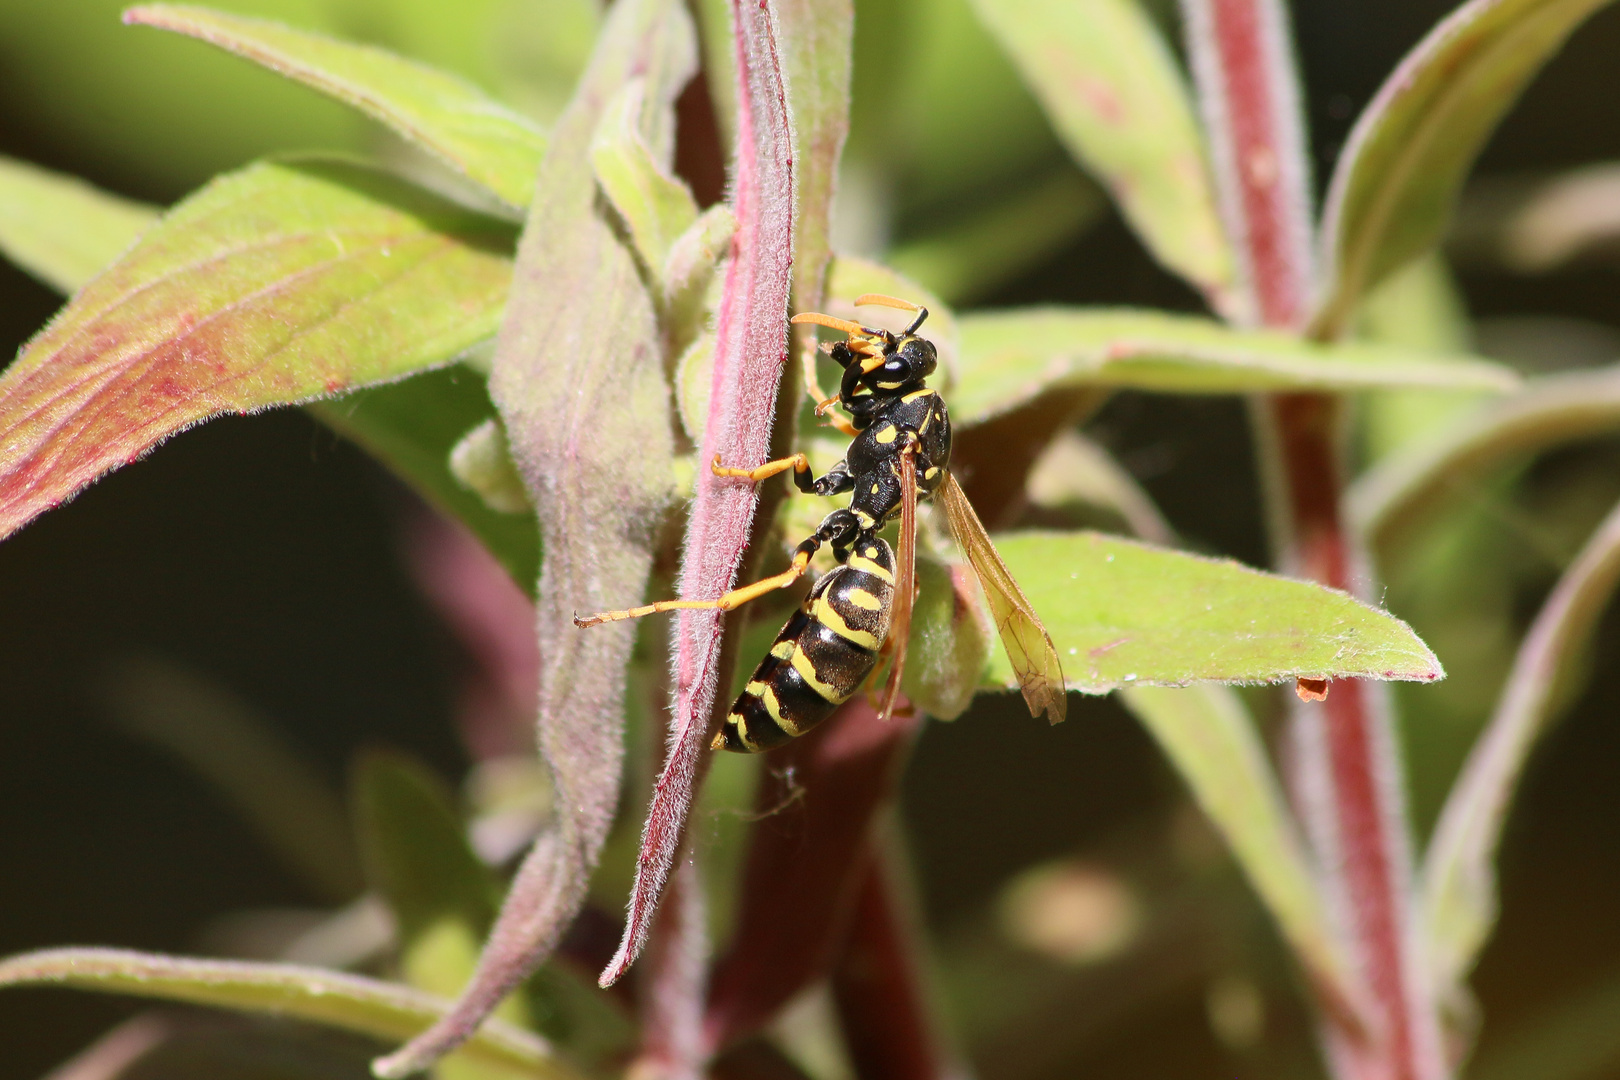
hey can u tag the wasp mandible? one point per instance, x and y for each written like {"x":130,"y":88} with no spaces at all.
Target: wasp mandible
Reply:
{"x":900,"y":453}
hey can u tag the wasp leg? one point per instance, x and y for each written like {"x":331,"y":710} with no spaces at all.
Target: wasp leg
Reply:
{"x":732,"y":599}
{"x":797,"y":462}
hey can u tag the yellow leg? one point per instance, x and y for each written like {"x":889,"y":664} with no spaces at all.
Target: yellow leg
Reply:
{"x":798,"y":463}
{"x":732,"y":599}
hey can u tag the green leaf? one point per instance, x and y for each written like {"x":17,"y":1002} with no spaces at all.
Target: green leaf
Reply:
{"x":1123,"y":613}
{"x":950,"y":639}
{"x":1112,"y":89}
{"x":1210,"y":738}
{"x":282,"y":283}
{"x":1406,"y":488}
{"x":656,"y":206}
{"x":442,"y":113}
{"x":1009,"y":358}
{"x":1459,"y":872}
{"x":580,"y":381}
{"x":1398,"y":177}
{"x":817,"y":54}
{"x":348,"y":1002}
{"x":412,"y":426}
{"x":61,"y":229}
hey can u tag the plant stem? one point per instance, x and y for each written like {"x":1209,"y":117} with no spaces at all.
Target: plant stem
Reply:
{"x":1347,"y":772}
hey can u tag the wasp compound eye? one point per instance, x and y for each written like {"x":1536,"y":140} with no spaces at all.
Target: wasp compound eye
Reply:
{"x":919,"y":356}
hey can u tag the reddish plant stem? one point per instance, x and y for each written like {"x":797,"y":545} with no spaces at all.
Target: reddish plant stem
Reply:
{"x":1361,"y":837}
{"x":1348,"y":773}
{"x":877,"y":989}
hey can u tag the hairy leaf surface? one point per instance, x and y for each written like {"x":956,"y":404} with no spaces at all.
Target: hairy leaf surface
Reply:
{"x":1392,"y":193}
{"x":61,"y":229}
{"x":1009,"y":358}
{"x":282,"y":283}
{"x":1123,"y":613}
{"x":444,"y":114}
{"x":1111,"y":87}
{"x":349,"y":1002}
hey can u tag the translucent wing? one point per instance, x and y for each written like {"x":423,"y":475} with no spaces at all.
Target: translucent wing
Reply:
{"x":1028,"y":645}
{"x":905,"y":583}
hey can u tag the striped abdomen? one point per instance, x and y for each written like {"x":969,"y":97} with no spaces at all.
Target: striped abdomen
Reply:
{"x":821,"y":657}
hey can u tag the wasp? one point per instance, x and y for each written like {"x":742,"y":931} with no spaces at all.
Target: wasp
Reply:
{"x":900,"y":453}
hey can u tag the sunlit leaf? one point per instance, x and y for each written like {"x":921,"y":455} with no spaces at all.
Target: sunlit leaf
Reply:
{"x":1397,"y":179}
{"x":1459,"y":874}
{"x":282,"y":283}
{"x":656,"y":205}
{"x":350,"y":1002}
{"x":1407,"y":487}
{"x":70,"y":231}
{"x":61,"y":229}
{"x":1112,"y":89}
{"x":1123,"y":613}
{"x":579,"y":379}
{"x":1009,"y":358}
{"x":443,"y":113}
{"x":1212,"y":741}
{"x":817,"y":38}
{"x":750,"y":334}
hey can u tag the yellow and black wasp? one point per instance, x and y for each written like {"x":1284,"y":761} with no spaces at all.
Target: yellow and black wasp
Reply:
{"x":862,"y":607}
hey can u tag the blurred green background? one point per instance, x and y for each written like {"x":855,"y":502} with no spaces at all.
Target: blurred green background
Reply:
{"x":266,"y":553}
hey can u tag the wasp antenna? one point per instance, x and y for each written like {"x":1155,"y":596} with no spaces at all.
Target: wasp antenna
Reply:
{"x":879,"y":300}
{"x":841,"y":325}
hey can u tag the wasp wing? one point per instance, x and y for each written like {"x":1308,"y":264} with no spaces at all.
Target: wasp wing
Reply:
{"x":905,"y":583}
{"x":1029,"y":646}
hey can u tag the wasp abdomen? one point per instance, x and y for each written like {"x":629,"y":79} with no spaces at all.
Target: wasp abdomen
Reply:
{"x":821,"y":657}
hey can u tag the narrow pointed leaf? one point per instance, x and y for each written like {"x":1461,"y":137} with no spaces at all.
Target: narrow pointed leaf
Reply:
{"x":348,"y":1002}
{"x":1392,"y":193}
{"x":579,"y":380}
{"x":447,"y":116}
{"x":750,"y":353}
{"x":656,"y":205}
{"x":1123,"y":613}
{"x":817,"y":53}
{"x":1404,"y":489}
{"x":66,"y":232}
{"x":1211,"y":739}
{"x":61,"y":229}
{"x":1459,"y":877}
{"x":278,"y":284}
{"x":1115,"y":95}
{"x":1009,"y":358}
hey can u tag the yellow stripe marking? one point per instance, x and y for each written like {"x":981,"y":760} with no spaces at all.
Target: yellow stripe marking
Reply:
{"x":863,"y":599}
{"x":866,"y":520}
{"x":756,"y":688}
{"x":830,"y":617}
{"x":922,"y":427}
{"x":886,"y":434}
{"x":931,"y":473}
{"x":774,"y":707}
{"x":867,"y":566}
{"x":782,"y":650}
{"x":738,"y":721}
{"x":915,"y":394}
{"x":807,"y":671}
